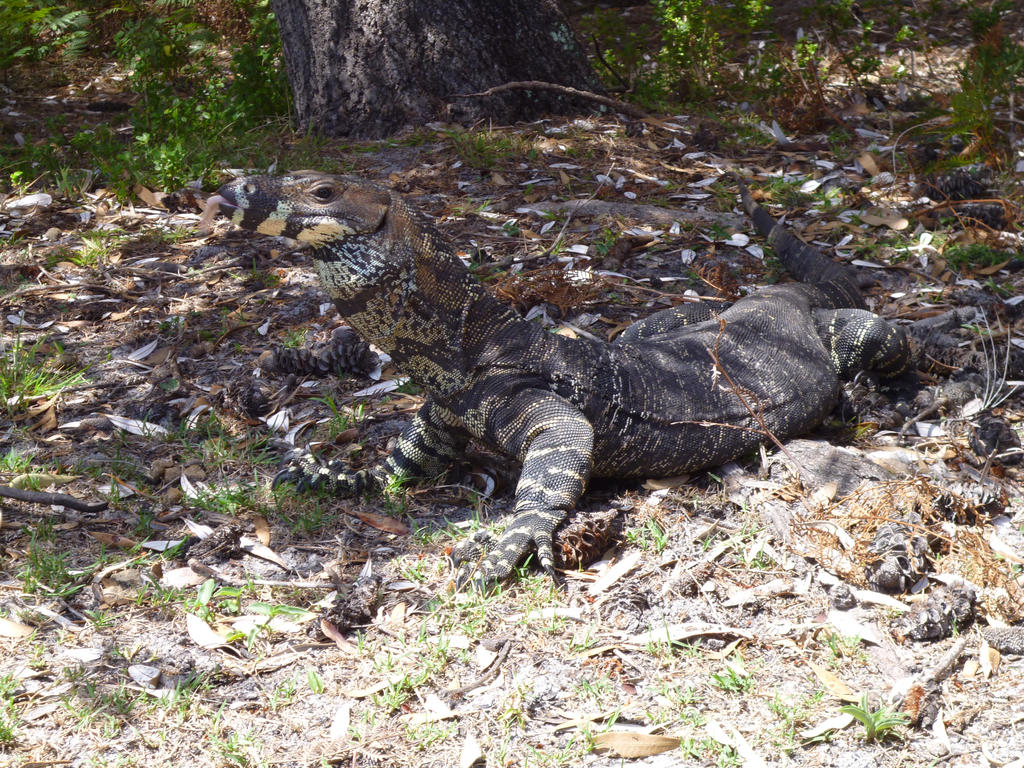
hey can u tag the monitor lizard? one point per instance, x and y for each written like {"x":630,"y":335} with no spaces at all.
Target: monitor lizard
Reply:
{"x":689,"y":387}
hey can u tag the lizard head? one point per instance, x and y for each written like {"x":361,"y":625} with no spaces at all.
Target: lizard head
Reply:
{"x":312,"y":207}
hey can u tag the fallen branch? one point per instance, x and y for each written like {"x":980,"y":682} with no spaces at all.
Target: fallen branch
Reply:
{"x":565,"y":90}
{"x":61,"y":499}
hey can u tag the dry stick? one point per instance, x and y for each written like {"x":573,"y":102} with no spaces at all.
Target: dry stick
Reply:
{"x":945,"y":664}
{"x":540,"y":85}
{"x":38,"y":497}
{"x":489,"y":673}
{"x":739,"y":393}
{"x":819,"y":94}
{"x":550,"y":249}
{"x":614,"y":73}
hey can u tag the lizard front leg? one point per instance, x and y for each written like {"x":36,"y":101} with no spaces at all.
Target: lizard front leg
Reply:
{"x":554,"y":441}
{"x":433,"y":439}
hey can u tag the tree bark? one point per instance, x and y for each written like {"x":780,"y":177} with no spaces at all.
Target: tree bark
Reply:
{"x":367,"y":68}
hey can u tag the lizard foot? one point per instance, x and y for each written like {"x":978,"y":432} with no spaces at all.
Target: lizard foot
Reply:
{"x":529,"y":531}
{"x":309,"y":473}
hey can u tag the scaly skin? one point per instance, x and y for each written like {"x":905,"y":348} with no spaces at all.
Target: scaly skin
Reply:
{"x":686,"y":388}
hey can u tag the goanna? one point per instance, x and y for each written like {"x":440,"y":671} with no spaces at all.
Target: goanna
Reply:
{"x":688,"y":387}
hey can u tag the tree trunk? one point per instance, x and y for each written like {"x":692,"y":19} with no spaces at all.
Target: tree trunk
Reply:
{"x":368,"y":68}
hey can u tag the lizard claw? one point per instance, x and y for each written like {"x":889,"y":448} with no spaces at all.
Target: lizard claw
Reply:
{"x":297,"y":469}
{"x":309,"y":473}
{"x":528,"y":532}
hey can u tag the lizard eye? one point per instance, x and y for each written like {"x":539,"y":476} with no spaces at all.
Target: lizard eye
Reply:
{"x":324,"y":193}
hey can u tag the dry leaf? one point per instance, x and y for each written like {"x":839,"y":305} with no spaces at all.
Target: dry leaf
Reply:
{"x":835,"y":686}
{"x":383,"y":522}
{"x":472,"y":753}
{"x":878,"y":598}
{"x":136,"y":426}
{"x":835,"y":723}
{"x":41,"y":480}
{"x":615,"y":572}
{"x":381,"y":388}
{"x":181,"y":578}
{"x":262,"y":529}
{"x":484,"y":657}
{"x":825,"y":494}
{"x":660,"y":483}
{"x":203,"y":634}
{"x":939,"y":731}
{"x":9,"y":628}
{"x":340,"y":722}
{"x":632,"y":744}
{"x":730,"y":736}
{"x":435,"y":710}
{"x":867,"y":162}
{"x":991,"y":270}
{"x":113,"y":539}
{"x":397,"y":617}
{"x":150,"y":198}
{"x":362,"y":693}
{"x":582,"y":720}
{"x":849,"y":625}
{"x":988,"y":659}
{"x":334,"y":634}
{"x":773,"y":588}
{"x":264,"y":553}
{"x":47,"y":417}
{"x":676,"y":633}
{"x":1000,"y":547}
{"x":877,"y":217}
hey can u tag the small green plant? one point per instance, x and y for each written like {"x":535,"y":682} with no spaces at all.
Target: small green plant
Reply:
{"x":282,"y":695}
{"x":844,"y":646}
{"x":650,"y":537}
{"x":878,"y":723}
{"x":692,"y":52}
{"x":975,"y":255}
{"x":734,"y":679}
{"x":394,"y":695}
{"x":294,"y":339}
{"x":8,"y":714}
{"x":97,"y":247}
{"x":314,"y":681}
{"x":15,"y":462}
{"x":484,"y":150}
{"x":429,"y":734}
{"x":990,"y":76}
{"x":226,"y":500}
{"x":31,"y":371}
{"x":35,"y":29}
{"x":195,"y":106}
{"x":47,"y":571}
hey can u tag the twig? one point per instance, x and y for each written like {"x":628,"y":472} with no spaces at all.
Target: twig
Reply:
{"x":491,"y":672}
{"x":39,"y":497}
{"x":550,"y":249}
{"x":945,"y":665}
{"x":540,"y":85}
{"x":755,"y":414}
{"x":614,"y":72}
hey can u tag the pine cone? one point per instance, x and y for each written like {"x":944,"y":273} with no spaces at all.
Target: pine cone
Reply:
{"x":344,"y":352}
{"x":961,"y":184}
{"x":584,"y":538}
